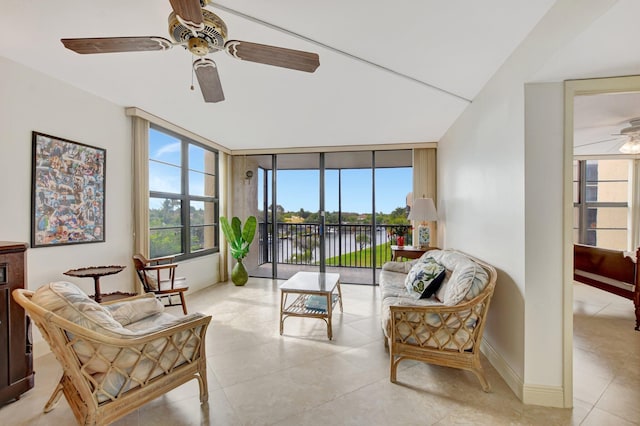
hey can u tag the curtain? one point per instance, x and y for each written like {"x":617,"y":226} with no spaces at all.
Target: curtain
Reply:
{"x":424,"y":184}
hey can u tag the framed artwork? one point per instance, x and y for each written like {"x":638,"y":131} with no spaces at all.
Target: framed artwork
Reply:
{"x":67,"y":192}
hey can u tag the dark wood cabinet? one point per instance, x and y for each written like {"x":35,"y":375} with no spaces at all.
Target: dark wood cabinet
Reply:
{"x":16,"y":356}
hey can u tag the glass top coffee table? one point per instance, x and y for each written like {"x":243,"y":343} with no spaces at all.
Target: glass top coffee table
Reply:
{"x":310,"y":295}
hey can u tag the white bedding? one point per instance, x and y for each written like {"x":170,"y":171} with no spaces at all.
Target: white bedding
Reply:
{"x":606,"y":280}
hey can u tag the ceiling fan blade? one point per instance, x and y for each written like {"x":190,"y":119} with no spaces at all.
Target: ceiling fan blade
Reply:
{"x":209,"y":80}
{"x":272,"y":55}
{"x":597,"y":142}
{"x":189,"y":13}
{"x":116,"y":44}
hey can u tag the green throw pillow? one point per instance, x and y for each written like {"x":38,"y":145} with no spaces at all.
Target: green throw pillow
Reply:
{"x":425,"y":278}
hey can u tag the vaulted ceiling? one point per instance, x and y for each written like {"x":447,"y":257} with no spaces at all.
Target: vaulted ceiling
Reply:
{"x":390,"y":72}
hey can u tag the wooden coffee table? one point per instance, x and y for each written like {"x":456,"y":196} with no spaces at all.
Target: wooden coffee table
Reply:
{"x":303,"y":295}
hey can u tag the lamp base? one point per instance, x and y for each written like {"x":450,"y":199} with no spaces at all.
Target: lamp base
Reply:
{"x":424,"y":236}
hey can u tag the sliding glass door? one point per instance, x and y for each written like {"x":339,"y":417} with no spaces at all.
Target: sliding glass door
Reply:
{"x":349,"y":218}
{"x":316,"y":211}
{"x":298,"y":229}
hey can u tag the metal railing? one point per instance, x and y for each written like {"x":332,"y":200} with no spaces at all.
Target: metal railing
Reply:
{"x":346,"y":245}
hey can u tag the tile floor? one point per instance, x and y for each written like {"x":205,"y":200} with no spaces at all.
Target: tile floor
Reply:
{"x":257,"y":377}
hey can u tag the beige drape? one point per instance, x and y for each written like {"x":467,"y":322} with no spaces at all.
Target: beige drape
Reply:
{"x":141,"y":186}
{"x":424,"y":184}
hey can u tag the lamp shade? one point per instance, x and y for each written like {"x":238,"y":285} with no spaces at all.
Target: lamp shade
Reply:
{"x":632,"y":145}
{"x":423,"y":210}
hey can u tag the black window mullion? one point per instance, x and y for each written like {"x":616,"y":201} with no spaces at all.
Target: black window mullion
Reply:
{"x":584,"y":205}
{"x":582,"y":185}
{"x":184,"y":198}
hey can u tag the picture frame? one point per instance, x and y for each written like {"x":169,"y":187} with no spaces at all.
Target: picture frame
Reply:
{"x":67,"y":192}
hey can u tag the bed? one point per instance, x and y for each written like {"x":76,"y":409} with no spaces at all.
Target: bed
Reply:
{"x":614,"y":271}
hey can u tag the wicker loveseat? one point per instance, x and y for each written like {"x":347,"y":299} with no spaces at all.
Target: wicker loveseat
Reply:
{"x":115,"y":357}
{"x":446,"y":328}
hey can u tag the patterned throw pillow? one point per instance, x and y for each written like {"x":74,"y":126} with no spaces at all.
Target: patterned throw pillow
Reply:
{"x":424,"y":278}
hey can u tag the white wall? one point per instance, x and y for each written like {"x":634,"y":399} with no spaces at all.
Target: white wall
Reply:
{"x":492,"y":179}
{"x":481,"y":199}
{"x":31,"y":101}
{"x":544,"y":158}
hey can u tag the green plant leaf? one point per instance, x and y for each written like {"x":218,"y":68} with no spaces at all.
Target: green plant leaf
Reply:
{"x":235,"y":225}
{"x":226,"y":229}
{"x":249,"y":230}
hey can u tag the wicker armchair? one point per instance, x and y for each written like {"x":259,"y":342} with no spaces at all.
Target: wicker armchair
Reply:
{"x":110,"y":372}
{"x":449,"y":336}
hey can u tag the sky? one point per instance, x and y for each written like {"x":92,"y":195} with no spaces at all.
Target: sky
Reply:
{"x":300,"y":189}
{"x":296,"y":188}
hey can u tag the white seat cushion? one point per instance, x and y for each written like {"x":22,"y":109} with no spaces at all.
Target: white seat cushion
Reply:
{"x":122,"y":320}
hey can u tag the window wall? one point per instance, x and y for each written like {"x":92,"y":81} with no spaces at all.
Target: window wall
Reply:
{"x":316,"y":211}
{"x":183,"y":196}
{"x":601,"y":203}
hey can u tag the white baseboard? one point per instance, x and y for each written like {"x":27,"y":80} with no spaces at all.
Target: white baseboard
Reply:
{"x":503,"y":368}
{"x":547,"y":396}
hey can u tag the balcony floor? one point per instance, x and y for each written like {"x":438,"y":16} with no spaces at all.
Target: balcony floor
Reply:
{"x":347,"y":275}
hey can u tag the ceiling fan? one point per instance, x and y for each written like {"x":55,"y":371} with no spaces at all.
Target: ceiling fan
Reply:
{"x":627,"y":141}
{"x":201,"y":32}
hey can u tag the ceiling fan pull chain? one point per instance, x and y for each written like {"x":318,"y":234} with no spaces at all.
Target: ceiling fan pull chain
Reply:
{"x":192,"y":58}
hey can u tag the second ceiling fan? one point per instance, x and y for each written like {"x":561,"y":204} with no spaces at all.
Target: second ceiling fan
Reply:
{"x":201,"y":32}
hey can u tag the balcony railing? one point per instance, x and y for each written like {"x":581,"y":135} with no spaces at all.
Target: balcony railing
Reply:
{"x":345,"y":245}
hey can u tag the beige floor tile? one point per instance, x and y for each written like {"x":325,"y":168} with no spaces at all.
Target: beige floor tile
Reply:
{"x":588,"y":385}
{"x":258,"y":377}
{"x":598,"y":417}
{"x":402,"y":406}
{"x":621,"y":398}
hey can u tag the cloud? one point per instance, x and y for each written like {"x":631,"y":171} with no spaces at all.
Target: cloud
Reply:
{"x":168,"y":149}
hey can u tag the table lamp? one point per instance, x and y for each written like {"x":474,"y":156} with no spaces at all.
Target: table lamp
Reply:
{"x":423,"y":210}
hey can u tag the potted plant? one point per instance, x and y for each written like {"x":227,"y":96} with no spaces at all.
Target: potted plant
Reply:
{"x":399,"y":232}
{"x":239,"y":239}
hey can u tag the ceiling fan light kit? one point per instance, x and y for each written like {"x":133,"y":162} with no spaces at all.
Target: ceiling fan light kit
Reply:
{"x":632,"y":145}
{"x":201,"y":32}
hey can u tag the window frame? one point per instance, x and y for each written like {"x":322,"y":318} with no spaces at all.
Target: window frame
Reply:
{"x":185,"y":198}
{"x":583,"y":183}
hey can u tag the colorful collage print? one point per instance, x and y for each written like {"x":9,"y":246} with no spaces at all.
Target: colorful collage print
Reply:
{"x":68,"y":192}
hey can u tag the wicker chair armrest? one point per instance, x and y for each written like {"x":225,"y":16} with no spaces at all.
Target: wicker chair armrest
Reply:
{"x":190,"y":322}
{"x":436,"y":309}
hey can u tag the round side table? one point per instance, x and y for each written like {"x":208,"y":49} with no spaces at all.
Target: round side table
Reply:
{"x":95,"y":272}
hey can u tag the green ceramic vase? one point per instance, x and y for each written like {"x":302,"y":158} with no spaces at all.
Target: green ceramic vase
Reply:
{"x":239,"y":275}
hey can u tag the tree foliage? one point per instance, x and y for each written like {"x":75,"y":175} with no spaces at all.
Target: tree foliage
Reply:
{"x":396,"y":217}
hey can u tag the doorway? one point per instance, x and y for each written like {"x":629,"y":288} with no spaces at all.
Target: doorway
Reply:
{"x":574,"y":90}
